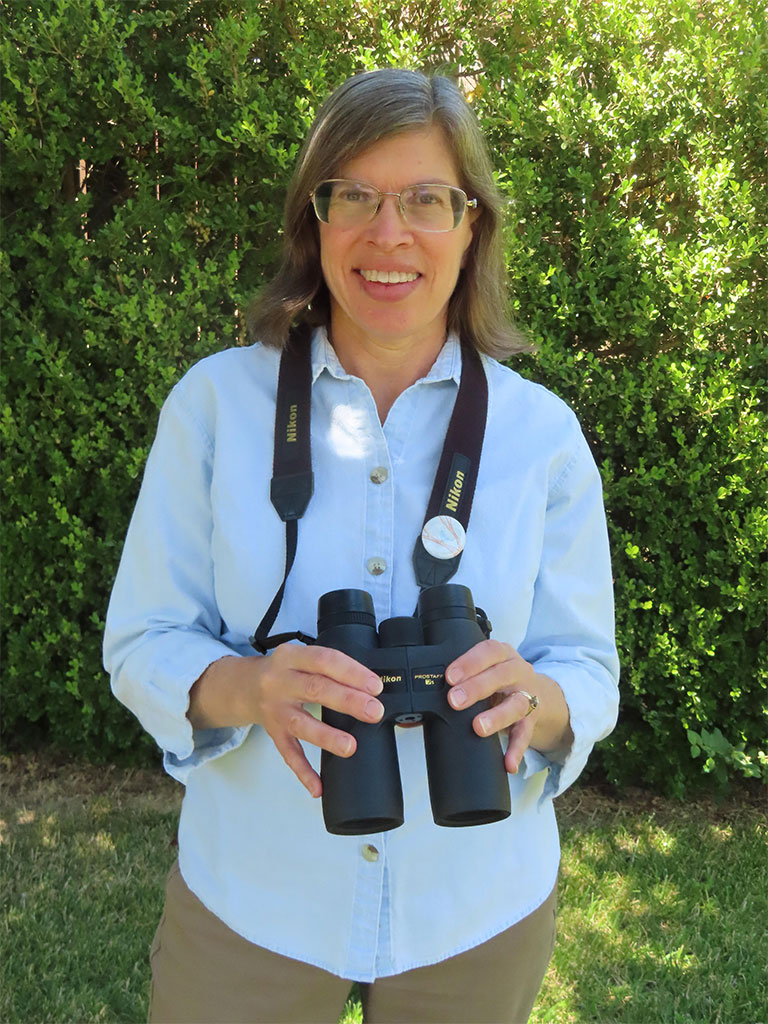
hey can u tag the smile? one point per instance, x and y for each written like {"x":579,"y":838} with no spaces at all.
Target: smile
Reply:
{"x":388,"y":276}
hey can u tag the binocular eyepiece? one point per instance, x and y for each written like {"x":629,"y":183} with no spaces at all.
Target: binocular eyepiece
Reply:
{"x":466,"y":774}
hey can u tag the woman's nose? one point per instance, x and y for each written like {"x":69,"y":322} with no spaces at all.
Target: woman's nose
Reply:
{"x":389,"y":227}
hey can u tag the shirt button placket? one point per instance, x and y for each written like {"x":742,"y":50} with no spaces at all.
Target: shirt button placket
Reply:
{"x":380,"y":498}
{"x":366,"y":905}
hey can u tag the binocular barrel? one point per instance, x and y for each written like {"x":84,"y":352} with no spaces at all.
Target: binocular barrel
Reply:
{"x":467,"y":779}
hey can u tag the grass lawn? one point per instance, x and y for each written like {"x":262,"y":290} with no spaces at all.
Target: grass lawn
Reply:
{"x":663,"y":905}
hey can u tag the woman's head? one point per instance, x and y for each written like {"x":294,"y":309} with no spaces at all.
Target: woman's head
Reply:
{"x":363,"y":111}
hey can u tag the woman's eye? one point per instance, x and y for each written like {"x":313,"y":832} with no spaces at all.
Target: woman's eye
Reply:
{"x":355,"y":196}
{"x":428,"y":197}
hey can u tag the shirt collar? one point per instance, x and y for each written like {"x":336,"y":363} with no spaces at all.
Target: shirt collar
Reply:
{"x":447,"y":366}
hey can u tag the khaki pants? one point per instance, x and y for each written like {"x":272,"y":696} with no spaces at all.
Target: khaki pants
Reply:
{"x":204,"y":973}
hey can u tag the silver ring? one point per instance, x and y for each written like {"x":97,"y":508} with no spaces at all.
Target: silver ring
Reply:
{"x":533,"y":701}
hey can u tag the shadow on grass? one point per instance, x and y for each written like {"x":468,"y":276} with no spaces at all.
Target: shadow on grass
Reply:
{"x":663,"y":916}
{"x":82,"y":884}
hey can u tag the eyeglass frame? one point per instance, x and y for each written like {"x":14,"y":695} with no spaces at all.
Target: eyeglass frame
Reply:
{"x":469,"y":204}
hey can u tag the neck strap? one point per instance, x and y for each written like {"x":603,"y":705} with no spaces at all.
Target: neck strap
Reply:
{"x":456,"y":477}
{"x":292,"y":479}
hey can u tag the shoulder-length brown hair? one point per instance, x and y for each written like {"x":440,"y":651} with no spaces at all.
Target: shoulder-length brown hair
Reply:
{"x":363,"y":110}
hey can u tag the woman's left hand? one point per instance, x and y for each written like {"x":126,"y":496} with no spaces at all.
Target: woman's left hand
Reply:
{"x":493,"y":669}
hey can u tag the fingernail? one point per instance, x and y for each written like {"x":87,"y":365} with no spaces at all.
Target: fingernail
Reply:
{"x":454,"y":675}
{"x":482,"y":725}
{"x":457,"y":697}
{"x":376,"y":686}
{"x":347,"y":747}
{"x":374,"y":709}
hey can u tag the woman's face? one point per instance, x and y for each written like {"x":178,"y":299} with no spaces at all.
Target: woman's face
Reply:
{"x":411,"y":314}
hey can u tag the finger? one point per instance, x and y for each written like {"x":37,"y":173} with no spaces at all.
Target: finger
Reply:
{"x":294,"y":756}
{"x":498,"y":677}
{"x":304,"y":726}
{"x":335,"y":665}
{"x":520,"y":735}
{"x":511,"y":709}
{"x":321,"y":690}
{"x":477,"y":659}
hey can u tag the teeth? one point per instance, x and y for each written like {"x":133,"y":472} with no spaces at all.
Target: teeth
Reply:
{"x":388,"y":276}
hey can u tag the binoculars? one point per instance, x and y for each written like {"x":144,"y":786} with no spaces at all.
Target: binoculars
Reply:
{"x":466,"y":774}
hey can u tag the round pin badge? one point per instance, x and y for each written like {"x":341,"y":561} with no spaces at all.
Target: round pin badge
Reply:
{"x":443,"y":537}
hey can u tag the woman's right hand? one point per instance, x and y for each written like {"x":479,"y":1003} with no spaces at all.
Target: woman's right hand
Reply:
{"x":271,"y":691}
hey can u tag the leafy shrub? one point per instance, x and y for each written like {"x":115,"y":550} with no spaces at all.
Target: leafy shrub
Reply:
{"x":147,"y":151}
{"x":681,"y":444}
{"x":114,"y":285}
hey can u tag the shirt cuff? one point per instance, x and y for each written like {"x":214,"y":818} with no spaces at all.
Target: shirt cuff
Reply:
{"x":161,"y":703}
{"x":592,"y":698}
{"x":185,"y":748}
{"x":208,"y":744}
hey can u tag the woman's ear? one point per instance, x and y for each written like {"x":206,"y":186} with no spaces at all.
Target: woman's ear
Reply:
{"x":472,"y":216}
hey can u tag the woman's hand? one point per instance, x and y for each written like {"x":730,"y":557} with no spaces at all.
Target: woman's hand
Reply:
{"x":271,"y":691}
{"x":495,"y":670}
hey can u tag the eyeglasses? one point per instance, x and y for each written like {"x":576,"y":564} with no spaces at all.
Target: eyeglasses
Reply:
{"x":348,"y":204}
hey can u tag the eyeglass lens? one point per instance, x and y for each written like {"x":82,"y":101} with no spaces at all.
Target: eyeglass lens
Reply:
{"x":426,"y":207}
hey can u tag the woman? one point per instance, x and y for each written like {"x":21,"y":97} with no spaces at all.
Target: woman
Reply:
{"x":392,"y":255}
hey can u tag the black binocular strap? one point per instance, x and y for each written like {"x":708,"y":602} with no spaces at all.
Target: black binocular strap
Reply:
{"x":293,"y":483}
{"x":456,"y":477}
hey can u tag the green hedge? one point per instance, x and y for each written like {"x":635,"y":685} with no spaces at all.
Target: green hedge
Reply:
{"x":631,"y":143}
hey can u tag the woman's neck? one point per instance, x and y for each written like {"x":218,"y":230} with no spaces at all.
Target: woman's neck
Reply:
{"x":387,"y":368}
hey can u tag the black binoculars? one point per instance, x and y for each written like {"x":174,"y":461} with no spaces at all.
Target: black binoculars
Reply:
{"x":466,"y":774}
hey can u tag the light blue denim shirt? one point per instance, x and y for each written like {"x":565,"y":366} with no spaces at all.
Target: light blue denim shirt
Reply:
{"x":203,"y":558}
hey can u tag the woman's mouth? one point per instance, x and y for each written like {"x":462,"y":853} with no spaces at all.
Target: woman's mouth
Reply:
{"x":388,"y":276}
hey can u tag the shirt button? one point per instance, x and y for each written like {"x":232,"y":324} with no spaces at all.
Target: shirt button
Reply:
{"x":379,"y":475}
{"x":370,"y":853}
{"x":376,"y":566}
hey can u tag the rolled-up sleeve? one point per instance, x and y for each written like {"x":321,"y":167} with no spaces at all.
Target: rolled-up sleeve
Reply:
{"x":571,"y":631}
{"x":163,"y":628}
